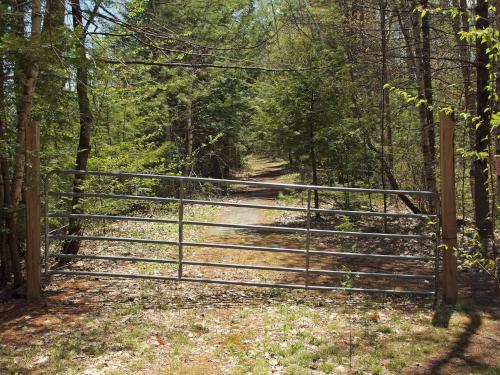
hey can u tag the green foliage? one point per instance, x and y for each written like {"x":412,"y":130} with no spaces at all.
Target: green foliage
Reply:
{"x":300,"y":110}
{"x":345,"y":224}
{"x":474,"y":257}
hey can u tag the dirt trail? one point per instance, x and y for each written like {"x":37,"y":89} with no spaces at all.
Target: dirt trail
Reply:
{"x":250,"y":195}
{"x":270,"y":172}
{"x":276,"y":172}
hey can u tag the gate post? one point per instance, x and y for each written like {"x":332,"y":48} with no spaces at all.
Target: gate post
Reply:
{"x":32,"y":196}
{"x":448,"y":207}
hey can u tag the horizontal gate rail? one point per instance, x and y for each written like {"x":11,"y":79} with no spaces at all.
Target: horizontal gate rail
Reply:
{"x":111,"y":196}
{"x":245,"y":226}
{"x":245,"y":266}
{"x":113,"y":239}
{"x":304,"y":230}
{"x":113,"y":217}
{"x":243,"y":283}
{"x":248,"y":183}
{"x":181,"y":201}
{"x":302,"y":209}
{"x":245,"y":247}
{"x":246,"y":205}
{"x":312,"y":252}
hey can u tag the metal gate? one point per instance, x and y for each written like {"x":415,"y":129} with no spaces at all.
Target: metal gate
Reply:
{"x":181,"y":201}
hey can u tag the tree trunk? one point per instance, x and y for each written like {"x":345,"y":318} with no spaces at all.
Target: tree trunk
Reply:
{"x":497,"y":130}
{"x":461,"y":24}
{"x":52,"y":30}
{"x":314,"y":166}
{"x":386,"y":112}
{"x":5,"y":262}
{"x":481,"y":195}
{"x":189,"y":123}
{"x":189,"y":132}
{"x":385,"y":132}
{"x":312,"y":154}
{"x":54,"y":18}
{"x":419,"y":61}
{"x":5,"y":269}
{"x":86,"y":121}
{"x":426,"y":114}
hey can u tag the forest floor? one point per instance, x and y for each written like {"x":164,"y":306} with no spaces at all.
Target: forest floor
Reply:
{"x":90,"y":325}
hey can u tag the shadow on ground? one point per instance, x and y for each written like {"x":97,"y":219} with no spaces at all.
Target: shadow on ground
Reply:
{"x":475,"y":350}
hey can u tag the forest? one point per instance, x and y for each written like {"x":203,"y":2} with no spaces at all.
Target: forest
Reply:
{"x":342,"y":92}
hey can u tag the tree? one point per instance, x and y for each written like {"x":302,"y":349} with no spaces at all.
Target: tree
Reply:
{"x":12,"y":162}
{"x":483,"y":127}
{"x":86,"y":120}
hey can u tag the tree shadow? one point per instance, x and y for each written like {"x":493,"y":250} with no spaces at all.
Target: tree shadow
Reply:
{"x":442,"y":315}
{"x":441,"y":318}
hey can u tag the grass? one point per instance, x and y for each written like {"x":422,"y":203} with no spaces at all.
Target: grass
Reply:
{"x":493,"y":371}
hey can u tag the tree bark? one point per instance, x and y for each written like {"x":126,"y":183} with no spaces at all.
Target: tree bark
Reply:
{"x":497,"y":130}
{"x":386,"y":112}
{"x":312,"y":154}
{"x":482,"y":132}
{"x":461,"y":24}
{"x":385,"y":128}
{"x":426,"y":114}
{"x":52,"y":30}
{"x":189,"y":132}
{"x":5,"y":263}
{"x":86,"y":121}
{"x":5,"y":270}
{"x":189,"y":123}
{"x":53,"y":19}
{"x":420,"y":62}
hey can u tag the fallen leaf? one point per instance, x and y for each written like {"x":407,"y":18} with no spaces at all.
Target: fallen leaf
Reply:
{"x":160,"y":340}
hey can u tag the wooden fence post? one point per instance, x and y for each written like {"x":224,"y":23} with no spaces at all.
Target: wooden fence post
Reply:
{"x":448,"y":207}
{"x":32,"y":195}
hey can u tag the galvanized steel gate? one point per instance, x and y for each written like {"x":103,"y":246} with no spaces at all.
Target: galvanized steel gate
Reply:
{"x":182,"y":201}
